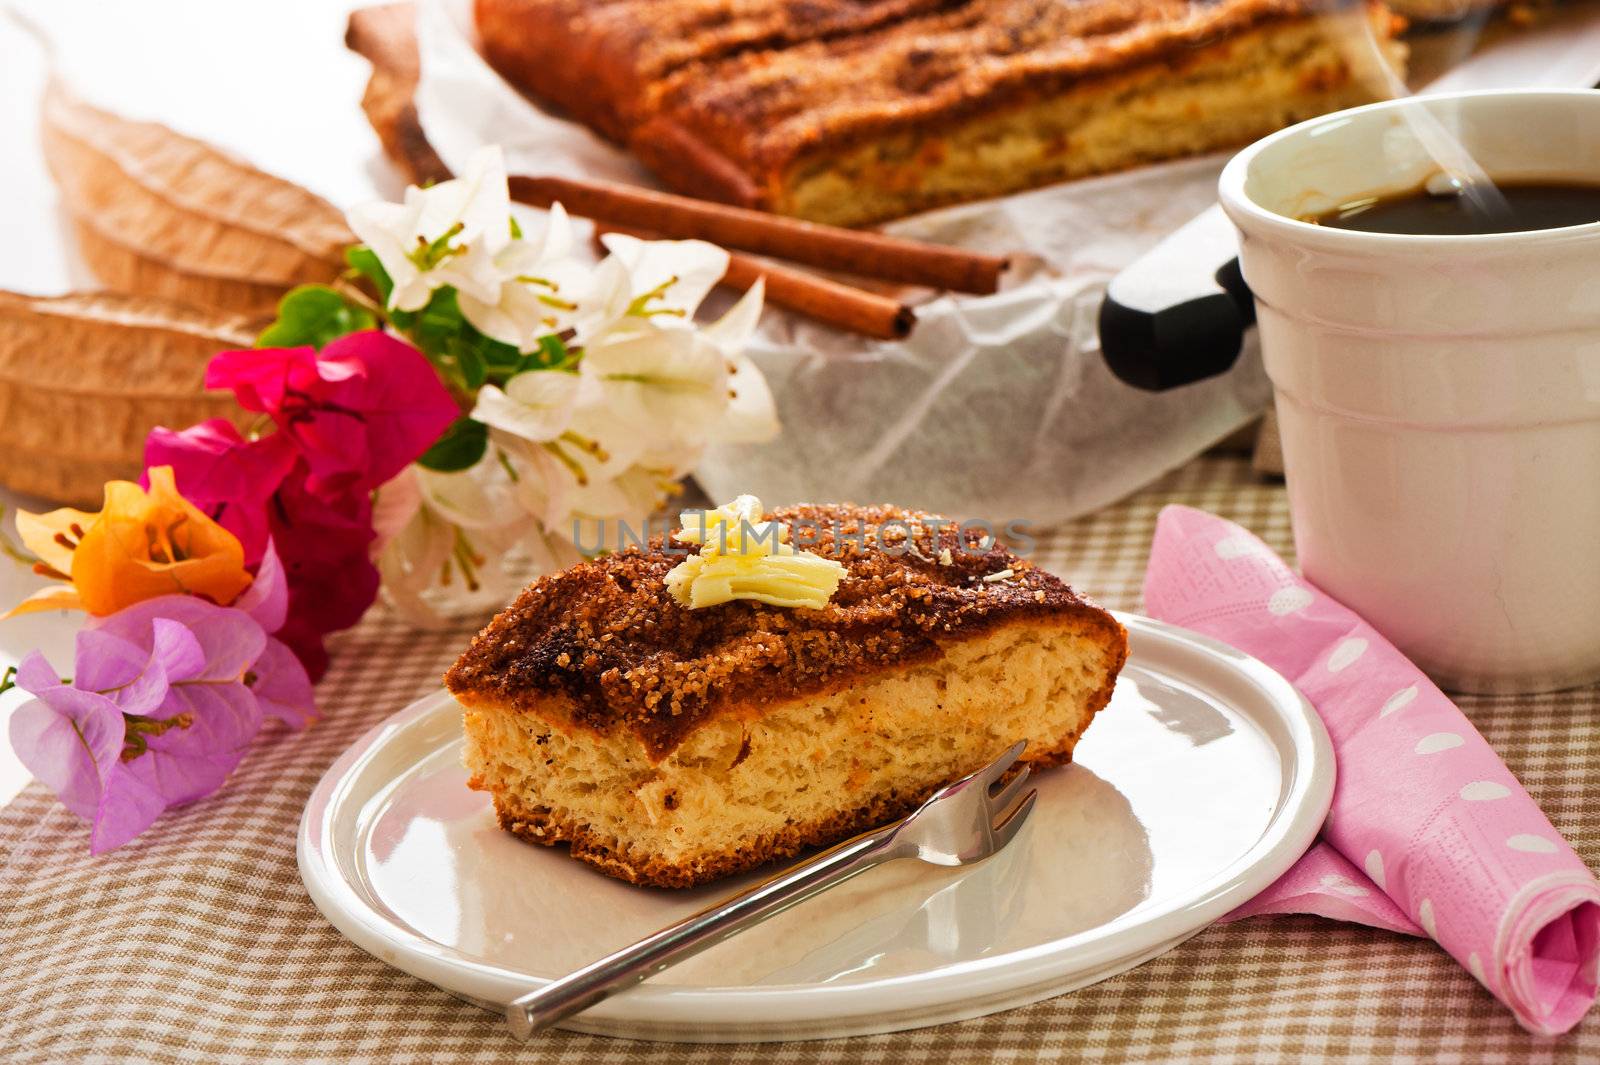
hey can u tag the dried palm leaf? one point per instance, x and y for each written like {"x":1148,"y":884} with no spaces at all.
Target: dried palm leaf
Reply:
{"x":172,"y":216}
{"x":84,"y":377}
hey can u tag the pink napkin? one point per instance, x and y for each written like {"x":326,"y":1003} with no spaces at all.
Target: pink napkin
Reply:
{"x":1429,"y":832}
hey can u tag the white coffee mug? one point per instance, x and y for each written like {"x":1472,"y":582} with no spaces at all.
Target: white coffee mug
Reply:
{"x":1438,"y":396}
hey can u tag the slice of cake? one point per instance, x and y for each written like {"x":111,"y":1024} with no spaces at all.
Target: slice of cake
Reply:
{"x":675,"y":729}
{"x":853,"y":111}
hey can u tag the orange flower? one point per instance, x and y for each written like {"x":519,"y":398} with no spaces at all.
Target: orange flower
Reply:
{"x":139,"y":546}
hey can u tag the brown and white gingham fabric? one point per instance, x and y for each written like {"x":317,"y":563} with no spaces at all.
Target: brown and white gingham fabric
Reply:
{"x":198,"y":943}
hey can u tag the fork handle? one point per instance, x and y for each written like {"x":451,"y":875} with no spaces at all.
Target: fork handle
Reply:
{"x":631,"y":965}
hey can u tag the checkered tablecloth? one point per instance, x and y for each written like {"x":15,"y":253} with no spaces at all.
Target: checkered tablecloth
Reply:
{"x":198,"y":943}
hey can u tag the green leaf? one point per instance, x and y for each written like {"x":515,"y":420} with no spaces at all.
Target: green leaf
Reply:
{"x":364,"y":261}
{"x":462,"y":354}
{"x":501,"y":360}
{"x":551,"y":354}
{"x":314,"y":315}
{"x":438,"y":323}
{"x":466,"y":358}
{"x":460,"y":448}
{"x":469,"y":362}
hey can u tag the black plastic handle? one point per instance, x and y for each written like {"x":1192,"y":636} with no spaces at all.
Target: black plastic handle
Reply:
{"x":1179,"y":313}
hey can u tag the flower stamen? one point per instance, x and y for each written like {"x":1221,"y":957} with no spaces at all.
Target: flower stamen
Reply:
{"x":505,"y":464}
{"x":640,"y":307}
{"x":426,"y":255}
{"x":573,"y":466}
{"x":140,"y":729}
{"x":468,"y":559}
{"x":586,"y":444}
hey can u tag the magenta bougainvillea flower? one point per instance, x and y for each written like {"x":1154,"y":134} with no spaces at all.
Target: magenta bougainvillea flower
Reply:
{"x":224,"y":474}
{"x":166,"y":696}
{"x":348,"y":418}
{"x":359,"y":411}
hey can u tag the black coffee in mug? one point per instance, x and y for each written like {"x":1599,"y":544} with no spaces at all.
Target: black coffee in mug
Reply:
{"x":1528,"y":206}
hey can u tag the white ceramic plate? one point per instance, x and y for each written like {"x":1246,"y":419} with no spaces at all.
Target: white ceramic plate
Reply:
{"x":1202,"y":782}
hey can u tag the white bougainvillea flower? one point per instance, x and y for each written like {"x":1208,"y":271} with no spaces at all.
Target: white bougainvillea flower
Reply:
{"x":543,"y":485}
{"x":657,"y":281}
{"x":552,"y":478}
{"x":413,"y":562}
{"x":657,"y":382}
{"x":481,"y":497}
{"x":537,"y":405}
{"x":394,"y":504}
{"x":631,"y":496}
{"x":683,"y":272}
{"x":572,"y":456}
{"x":671,"y":389}
{"x":447,"y":234}
{"x":732,"y":332}
{"x":563,"y":481}
{"x":539,"y":284}
{"x":751,"y":416}
{"x":549,"y":425}
{"x":463,"y":525}
{"x":619,"y":515}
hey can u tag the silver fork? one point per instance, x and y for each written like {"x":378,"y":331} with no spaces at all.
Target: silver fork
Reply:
{"x":961,"y":823}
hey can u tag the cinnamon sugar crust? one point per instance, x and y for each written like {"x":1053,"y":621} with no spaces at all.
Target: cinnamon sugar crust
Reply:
{"x":766,"y":109}
{"x":607,"y":642}
{"x":749,"y":100}
{"x":600,"y":59}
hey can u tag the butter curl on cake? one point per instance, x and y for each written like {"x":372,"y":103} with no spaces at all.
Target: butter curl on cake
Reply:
{"x":743,"y":557}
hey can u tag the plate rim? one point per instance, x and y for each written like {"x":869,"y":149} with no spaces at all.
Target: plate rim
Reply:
{"x":1021,"y":974}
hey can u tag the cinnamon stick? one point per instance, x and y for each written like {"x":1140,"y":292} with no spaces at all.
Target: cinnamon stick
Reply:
{"x":818,"y":298}
{"x":829,"y":247}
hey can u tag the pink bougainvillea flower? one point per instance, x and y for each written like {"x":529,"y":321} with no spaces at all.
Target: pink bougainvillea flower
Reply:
{"x":71,"y":740}
{"x":267,"y":598}
{"x":224,"y":474}
{"x":304,"y":639}
{"x":146,"y":723}
{"x":166,"y":697}
{"x":281,"y":684}
{"x":360,"y":410}
{"x":274,"y":677}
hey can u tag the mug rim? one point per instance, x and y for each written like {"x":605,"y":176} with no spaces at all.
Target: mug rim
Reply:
{"x":1243,"y":210}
